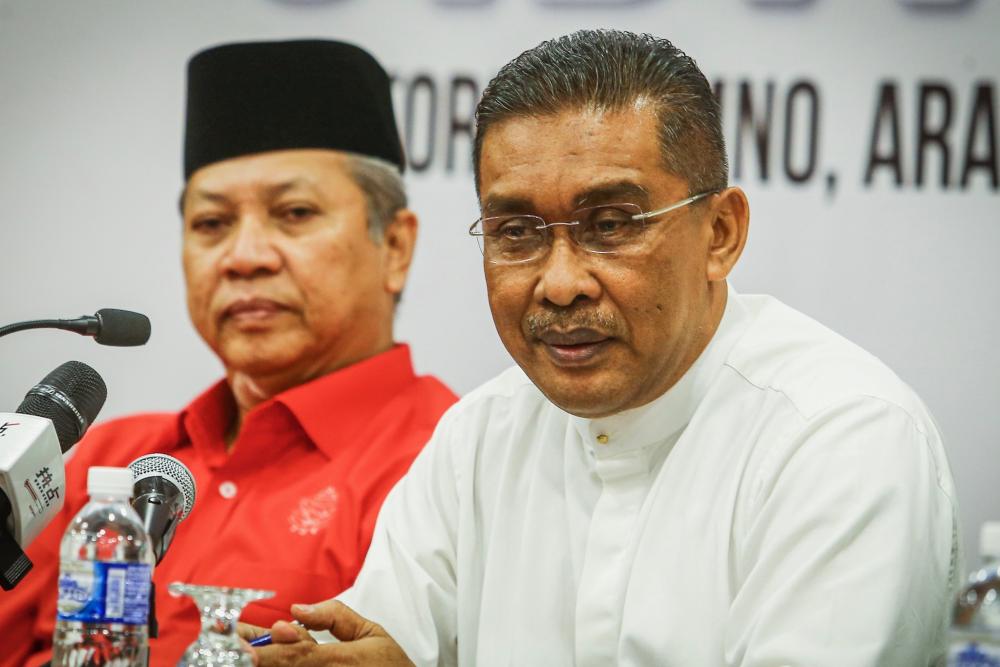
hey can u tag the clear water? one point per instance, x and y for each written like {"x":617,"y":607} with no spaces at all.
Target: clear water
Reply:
{"x":106,"y":537}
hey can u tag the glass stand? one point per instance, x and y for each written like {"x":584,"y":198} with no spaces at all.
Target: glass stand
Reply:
{"x":218,"y":645}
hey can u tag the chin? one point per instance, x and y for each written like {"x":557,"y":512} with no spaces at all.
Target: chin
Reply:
{"x":582,"y":398}
{"x":259,"y":357}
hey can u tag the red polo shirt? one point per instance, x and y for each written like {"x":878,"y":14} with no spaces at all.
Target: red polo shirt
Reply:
{"x":290,"y":508}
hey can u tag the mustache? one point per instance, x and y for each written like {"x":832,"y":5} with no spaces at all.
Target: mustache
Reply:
{"x":567,"y":320}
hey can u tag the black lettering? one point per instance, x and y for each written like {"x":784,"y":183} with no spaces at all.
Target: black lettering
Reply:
{"x":928,"y":135}
{"x":886,"y":119}
{"x":718,"y":89}
{"x":983,"y":116}
{"x":761,"y":129}
{"x":421,"y":82}
{"x":460,"y":123}
{"x":808,"y":91}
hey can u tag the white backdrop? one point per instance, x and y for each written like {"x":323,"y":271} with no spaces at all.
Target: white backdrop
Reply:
{"x":91,"y":102}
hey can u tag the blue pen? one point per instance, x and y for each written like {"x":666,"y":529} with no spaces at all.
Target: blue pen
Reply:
{"x":265,"y":640}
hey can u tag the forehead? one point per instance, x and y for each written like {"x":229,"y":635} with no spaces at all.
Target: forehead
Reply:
{"x":261,"y":174}
{"x":561,"y":157}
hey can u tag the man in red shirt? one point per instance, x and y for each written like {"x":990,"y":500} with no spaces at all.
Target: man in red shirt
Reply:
{"x":296,"y":247}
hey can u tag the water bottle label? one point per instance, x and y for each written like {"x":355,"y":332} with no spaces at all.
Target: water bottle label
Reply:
{"x":973,"y":654}
{"x":98,"y":592}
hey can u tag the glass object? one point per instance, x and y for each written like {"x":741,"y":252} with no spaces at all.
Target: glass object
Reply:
{"x":609,"y":229}
{"x":218,"y":645}
{"x":975,"y":628}
{"x":105,"y":566}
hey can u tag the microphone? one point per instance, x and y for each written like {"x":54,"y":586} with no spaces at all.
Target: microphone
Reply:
{"x":108,"y":326}
{"x":163,"y":495}
{"x":53,"y":416}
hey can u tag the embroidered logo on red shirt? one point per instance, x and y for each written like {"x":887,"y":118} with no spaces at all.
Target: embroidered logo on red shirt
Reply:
{"x":313,"y":513}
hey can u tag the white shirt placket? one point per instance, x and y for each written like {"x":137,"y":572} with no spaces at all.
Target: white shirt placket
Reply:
{"x":609,"y":555}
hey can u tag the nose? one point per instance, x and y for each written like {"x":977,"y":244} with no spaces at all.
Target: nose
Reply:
{"x":251,"y":250}
{"x":565,"y":275}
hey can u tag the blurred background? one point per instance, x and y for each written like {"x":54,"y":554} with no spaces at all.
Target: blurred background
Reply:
{"x":865,"y":133}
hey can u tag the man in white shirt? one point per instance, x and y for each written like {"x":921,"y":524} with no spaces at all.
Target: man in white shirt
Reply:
{"x":675,"y":474}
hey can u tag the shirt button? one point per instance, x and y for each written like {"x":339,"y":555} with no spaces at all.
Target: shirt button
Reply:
{"x":227,"y":490}
{"x":603,"y":439}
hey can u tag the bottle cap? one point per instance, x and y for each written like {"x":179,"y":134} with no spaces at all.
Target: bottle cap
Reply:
{"x":989,"y":540}
{"x":105,"y":481}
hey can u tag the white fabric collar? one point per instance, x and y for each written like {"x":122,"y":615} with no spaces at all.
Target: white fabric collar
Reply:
{"x":654,"y":423}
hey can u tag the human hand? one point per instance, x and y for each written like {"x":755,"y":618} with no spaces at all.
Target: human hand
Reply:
{"x":362,"y":642}
{"x":248,"y":632}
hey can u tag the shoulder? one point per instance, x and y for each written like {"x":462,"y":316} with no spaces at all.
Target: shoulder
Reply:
{"x":433,"y":393}
{"x":507,"y":406}
{"x":832,"y":405}
{"x":118,"y":441}
{"x":508,"y":394}
{"x":813,"y":368}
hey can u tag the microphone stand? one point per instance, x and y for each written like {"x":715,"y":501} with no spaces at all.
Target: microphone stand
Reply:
{"x":82,"y":325}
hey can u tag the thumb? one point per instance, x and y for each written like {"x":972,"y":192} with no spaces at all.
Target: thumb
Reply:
{"x":342,"y":621}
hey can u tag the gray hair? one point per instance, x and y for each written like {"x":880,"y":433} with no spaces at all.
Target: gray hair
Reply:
{"x":382,"y":185}
{"x":610,"y":70}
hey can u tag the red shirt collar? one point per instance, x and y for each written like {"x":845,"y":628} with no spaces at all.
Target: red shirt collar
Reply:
{"x":331,"y":409}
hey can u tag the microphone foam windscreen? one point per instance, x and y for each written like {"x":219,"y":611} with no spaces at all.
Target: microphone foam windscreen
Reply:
{"x":122,"y":328}
{"x":167,"y":467}
{"x":71,"y":396}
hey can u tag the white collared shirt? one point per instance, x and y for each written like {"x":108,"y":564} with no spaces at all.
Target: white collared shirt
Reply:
{"x":787,"y":502}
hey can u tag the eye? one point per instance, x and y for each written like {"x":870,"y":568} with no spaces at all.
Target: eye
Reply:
{"x":608,"y":220}
{"x":208,"y":224}
{"x":298,"y":213}
{"x":514,"y":229}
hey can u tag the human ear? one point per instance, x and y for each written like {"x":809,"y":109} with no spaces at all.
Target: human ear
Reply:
{"x":729,"y":224}
{"x":398,"y":241}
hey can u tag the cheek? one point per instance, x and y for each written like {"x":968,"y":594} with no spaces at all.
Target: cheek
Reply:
{"x":509,"y":300}
{"x":196,"y":280}
{"x":505,"y":290}
{"x":200,"y":279}
{"x":334,"y":284}
{"x":648,"y":298}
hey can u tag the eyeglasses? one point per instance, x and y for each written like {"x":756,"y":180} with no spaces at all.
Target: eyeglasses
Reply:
{"x":609,"y":229}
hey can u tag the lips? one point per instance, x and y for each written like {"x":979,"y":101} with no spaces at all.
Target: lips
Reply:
{"x":574,"y":347}
{"x":251,"y":310}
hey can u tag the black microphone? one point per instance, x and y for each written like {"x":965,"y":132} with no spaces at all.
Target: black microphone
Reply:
{"x":70,"y":396}
{"x":108,"y":326}
{"x":163,"y":495}
{"x":53,"y":416}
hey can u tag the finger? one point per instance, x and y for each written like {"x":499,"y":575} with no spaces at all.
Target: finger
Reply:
{"x":377,"y":651}
{"x":283,"y":632}
{"x":250,"y":652}
{"x":249,"y":632}
{"x":343,"y":622}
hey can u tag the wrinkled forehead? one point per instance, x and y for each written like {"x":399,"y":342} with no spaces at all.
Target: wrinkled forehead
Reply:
{"x":574,"y":157}
{"x":267,"y":174}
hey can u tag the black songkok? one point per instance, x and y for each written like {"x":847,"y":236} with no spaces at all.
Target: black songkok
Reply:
{"x":264,"y":96}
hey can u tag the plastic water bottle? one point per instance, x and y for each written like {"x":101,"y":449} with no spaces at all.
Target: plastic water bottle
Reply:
{"x":975,"y":629}
{"x":105,"y":567}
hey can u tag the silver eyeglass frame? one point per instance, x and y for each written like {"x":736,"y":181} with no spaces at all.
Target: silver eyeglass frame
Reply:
{"x":572,"y":223}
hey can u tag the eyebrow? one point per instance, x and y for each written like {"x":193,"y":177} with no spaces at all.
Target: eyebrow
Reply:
{"x":609,"y":193}
{"x":613,"y":193}
{"x":270,"y":190}
{"x":506,"y":204}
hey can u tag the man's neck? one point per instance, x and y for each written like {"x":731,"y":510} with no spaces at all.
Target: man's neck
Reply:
{"x":249,"y":391}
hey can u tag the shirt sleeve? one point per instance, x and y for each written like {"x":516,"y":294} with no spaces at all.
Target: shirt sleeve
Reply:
{"x":850,"y":554}
{"x":408,"y":582}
